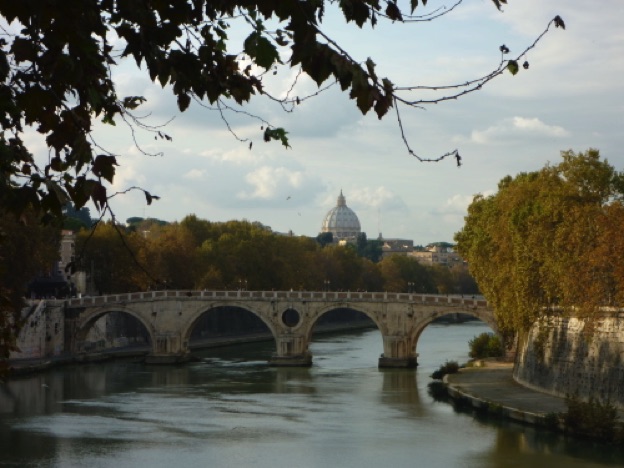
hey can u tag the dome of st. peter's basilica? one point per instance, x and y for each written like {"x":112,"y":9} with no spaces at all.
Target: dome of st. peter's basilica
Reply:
{"x":341,"y":221}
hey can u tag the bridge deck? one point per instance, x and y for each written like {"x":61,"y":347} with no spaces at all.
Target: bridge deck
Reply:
{"x":321,"y":296}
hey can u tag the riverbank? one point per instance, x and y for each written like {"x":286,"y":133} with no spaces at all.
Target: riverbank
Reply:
{"x":492,"y":389}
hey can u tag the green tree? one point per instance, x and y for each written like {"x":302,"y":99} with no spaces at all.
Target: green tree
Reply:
{"x":485,"y":345}
{"x":369,"y":248}
{"x":463,"y":281}
{"x":76,"y":219}
{"x":112,"y":261}
{"x":541,"y":240}
{"x":402,"y":274}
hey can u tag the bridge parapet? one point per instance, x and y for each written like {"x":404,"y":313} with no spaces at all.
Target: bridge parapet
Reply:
{"x":312,"y":296}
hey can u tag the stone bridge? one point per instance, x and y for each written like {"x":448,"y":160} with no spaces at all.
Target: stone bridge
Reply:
{"x":170,"y":316}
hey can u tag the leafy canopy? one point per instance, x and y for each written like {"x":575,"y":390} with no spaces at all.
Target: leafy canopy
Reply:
{"x":549,"y":238}
{"x":56,"y":58}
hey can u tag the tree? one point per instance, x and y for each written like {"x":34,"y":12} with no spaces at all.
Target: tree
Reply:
{"x":111,"y":261}
{"x":369,"y":248}
{"x":546,"y":239}
{"x":405,"y":274}
{"x":26,"y":249}
{"x":56,"y":58}
{"x":76,"y":219}
{"x":325,"y":238}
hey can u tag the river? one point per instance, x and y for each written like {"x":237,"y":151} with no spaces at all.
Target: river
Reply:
{"x":230,"y":409}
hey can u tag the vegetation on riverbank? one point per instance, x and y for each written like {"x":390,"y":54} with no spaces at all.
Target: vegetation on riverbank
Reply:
{"x":449,"y":367}
{"x":549,"y":238}
{"x":485,"y":345}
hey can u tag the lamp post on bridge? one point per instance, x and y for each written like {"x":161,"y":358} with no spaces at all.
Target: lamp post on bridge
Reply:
{"x":327,"y":285}
{"x":410,"y":286}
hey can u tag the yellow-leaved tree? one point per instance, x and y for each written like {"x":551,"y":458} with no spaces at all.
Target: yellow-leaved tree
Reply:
{"x":550,"y":238}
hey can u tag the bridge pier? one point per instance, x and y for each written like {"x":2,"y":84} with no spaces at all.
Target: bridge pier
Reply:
{"x":392,"y":362}
{"x":168,"y":348}
{"x":398,"y":352}
{"x":292,"y":351}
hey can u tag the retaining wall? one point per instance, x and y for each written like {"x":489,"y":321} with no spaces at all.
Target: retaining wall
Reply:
{"x":575,"y":357}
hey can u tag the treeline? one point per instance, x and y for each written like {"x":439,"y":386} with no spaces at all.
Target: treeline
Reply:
{"x":200,"y":254}
{"x":549,"y":238}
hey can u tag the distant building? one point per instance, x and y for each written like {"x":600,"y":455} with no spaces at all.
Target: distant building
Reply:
{"x":342,"y":222}
{"x":396,"y":247}
{"x":436,"y":254}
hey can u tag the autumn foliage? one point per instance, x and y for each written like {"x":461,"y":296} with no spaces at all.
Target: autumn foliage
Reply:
{"x":549,"y":240}
{"x":200,"y":254}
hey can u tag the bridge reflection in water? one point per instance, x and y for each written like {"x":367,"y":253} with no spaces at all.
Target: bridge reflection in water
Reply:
{"x":171,"y":316}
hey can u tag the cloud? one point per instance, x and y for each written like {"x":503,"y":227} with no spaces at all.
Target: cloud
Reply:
{"x":268,"y":181}
{"x":514,"y":129}
{"x":457,"y":204}
{"x":239,"y":155}
{"x":195,"y":174}
{"x":280,"y":186}
{"x":377,"y":198}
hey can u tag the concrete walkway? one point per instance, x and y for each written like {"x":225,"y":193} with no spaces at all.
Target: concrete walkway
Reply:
{"x":493,"y":388}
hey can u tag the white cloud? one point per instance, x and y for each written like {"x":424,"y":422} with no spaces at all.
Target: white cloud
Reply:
{"x":377,"y":198}
{"x":515,"y":128}
{"x":195,"y":174}
{"x":271,"y":182}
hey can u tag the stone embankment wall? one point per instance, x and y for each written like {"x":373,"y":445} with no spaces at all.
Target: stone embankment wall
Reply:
{"x":42,"y":334}
{"x":575,"y":357}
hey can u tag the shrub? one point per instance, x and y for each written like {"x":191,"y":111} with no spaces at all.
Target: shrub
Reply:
{"x":485,"y":345}
{"x":450,"y":367}
{"x":591,"y":419}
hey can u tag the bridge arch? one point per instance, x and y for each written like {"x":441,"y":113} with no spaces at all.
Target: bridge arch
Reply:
{"x":483,"y":315}
{"x":201,"y":311}
{"x":323,"y":311}
{"x":86,"y":322}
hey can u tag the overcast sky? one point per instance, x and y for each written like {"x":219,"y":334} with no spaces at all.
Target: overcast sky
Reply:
{"x":571,"y":97}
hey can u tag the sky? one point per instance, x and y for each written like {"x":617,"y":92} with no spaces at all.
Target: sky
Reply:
{"x":571,"y":97}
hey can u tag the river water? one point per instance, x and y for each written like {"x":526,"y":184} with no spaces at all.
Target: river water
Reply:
{"x":231,"y":410}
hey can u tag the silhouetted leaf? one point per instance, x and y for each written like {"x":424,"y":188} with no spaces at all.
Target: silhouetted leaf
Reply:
{"x":184,"y":100}
{"x":499,"y":2}
{"x":98,"y":195}
{"x":260,"y":49}
{"x":393,"y":12}
{"x":276,"y":134}
{"x":104,"y":166}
